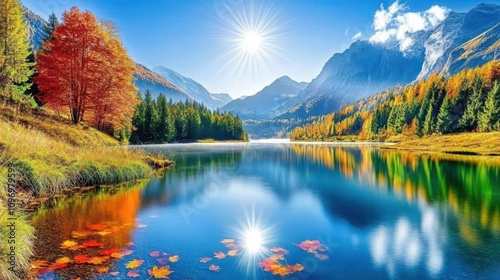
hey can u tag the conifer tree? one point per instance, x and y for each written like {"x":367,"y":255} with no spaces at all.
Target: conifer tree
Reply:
{"x":491,"y":114}
{"x":444,"y":119}
{"x":150,"y":118}
{"x":15,"y":69}
{"x":469,"y":119}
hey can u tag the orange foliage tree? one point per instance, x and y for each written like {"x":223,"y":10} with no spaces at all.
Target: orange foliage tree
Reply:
{"x":86,"y":72}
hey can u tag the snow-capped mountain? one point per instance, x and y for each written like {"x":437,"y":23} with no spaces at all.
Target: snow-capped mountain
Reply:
{"x":145,"y":79}
{"x":271,"y":101}
{"x":461,"y":40}
{"x":191,"y":87}
{"x":36,"y":24}
{"x":223,"y":98}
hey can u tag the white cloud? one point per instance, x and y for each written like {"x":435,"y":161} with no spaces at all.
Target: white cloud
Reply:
{"x":357,"y":36}
{"x":347,"y":31}
{"x":395,"y":23}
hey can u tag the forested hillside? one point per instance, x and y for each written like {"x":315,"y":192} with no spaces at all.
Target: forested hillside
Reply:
{"x":465,"y":102}
{"x":161,"y":121}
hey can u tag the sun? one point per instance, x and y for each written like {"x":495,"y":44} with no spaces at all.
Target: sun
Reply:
{"x":253,"y":240}
{"x":251,"y":41}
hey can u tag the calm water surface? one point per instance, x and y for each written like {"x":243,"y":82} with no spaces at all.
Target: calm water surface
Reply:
{"x":381,"y":214}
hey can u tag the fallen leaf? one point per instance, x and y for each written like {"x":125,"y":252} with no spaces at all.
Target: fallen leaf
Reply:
{"x":97,"y":260}
{"x":155,"y":254}
{"x":77,"y":247}
{"x":160,"y":272}
{"x":55,"y":266}
{"x":311,"y":246}
{"x":93,"y":243}
{"x":133,"y":273}
{"x":279,"y":250}
{"x":114,"y":273}
{"x":103,"y":233}
{"x":214,"y":267}
{"x":63,"y":260}
{"x":117,"y":255}
{"x":68,"y":244}
{"x":321,"y":256}
{"x":227,"y":241}
{"x":97,"y":227}
{"x":109,"y":252}
{"x":102,"y":269}
{"x":39,"y":263}
{"x":205,"y":260}
{"x":134,"y":263}
{"x":174,"y":258}
{"x":81,"y":259}
{"x":126,"y":252}
{"x":130,"y":244}
{"x":162,"y":260}
{"x":232,"y":253}
{"x":219,"y":255}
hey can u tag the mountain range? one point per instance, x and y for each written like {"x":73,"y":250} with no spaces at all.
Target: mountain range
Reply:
{"x":460,"y":41}
{"x":271,"y":101}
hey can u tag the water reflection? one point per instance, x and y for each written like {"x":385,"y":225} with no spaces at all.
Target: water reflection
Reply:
{"x":382,"y":213}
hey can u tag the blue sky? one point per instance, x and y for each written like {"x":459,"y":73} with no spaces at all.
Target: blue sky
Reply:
{"x":205,"y":40}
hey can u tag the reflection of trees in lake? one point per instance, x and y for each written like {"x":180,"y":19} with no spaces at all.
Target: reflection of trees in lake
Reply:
{"x":192,"y":171}
{"x":470,"y":189}
{"x":116,"y":211}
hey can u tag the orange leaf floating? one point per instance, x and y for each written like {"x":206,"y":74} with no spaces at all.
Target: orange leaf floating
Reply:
{"x":279,"y":250}
{"x":102,"y":269}
{"x":219,"y":255}
{"x":117,"y":255}
{"x":39,"y":263}
{"x":68,"y":244}
{"x":114,"y":273}
{"x":81,"y":259}
{"x":272,"y":265}
{"x":93,"y":243}
{"x":109,"y":252}
{"x":214,"y":267}
{"x":126,"y":252}
{"x":133,"y":273}
{"x":162,"y":260}
{"x":134,"y":263}
{"x":311,"y":246}
{"x":232,"y":253}
{"x":174,"y":258}
{"x":232,"y":246}
{"x":227,"y":241}
{"x":205,"y":260}
{"x":63,"y":260}
{"x":160,"y":272}
{"x":97,"y":260}
{"x":55,"y":266}
{"x":130,"y":244}
{"x":97,"y":227}
{"x":155,"y":254}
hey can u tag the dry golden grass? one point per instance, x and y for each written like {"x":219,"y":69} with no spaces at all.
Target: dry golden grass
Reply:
{"x":487,"y":144}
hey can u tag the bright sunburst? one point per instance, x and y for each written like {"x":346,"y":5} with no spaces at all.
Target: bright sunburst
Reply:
{"x":251,"y":37}
{"x":251,"y":41}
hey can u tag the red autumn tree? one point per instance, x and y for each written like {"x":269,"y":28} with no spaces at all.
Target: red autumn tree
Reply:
{"x":85,"y":72}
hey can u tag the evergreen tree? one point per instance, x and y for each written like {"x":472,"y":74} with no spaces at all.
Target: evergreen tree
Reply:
{"x":428,"y":124}
{"x":491,"y":114}
{"x":469,"y":119}
{"x":48,"y":29}
{"x":15,"y":69}
{"x":444,"y":119}
{"x":150,"y":119}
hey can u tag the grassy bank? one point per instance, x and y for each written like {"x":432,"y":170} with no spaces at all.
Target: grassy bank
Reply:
{"x":50,"y":156}
{"x":487,"y":144}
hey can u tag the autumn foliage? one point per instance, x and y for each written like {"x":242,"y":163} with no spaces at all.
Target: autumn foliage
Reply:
{"x":85,"y":72}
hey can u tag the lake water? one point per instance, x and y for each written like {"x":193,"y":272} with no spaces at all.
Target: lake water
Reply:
{"x":367,"y":213}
